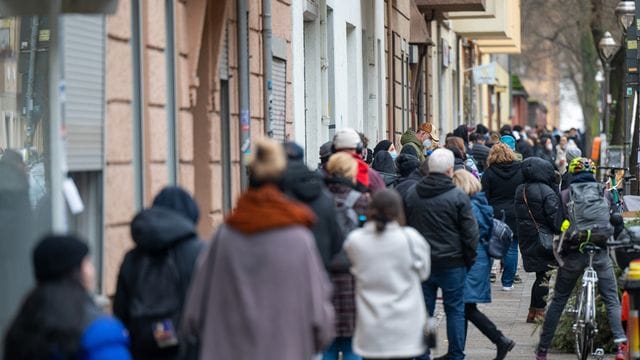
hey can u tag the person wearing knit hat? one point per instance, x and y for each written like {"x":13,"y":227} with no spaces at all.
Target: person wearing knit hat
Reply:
{"x":509,"y":140}
{"x":59,"y":319}
{"x":262,"y":266}
{"x":571,"y":153}
{"x":349,"y":141}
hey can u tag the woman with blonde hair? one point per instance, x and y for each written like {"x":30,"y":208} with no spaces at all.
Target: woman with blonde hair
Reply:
{"x":477,"y":289}
{"x":342,"y":170}
{"x":499,"y":183}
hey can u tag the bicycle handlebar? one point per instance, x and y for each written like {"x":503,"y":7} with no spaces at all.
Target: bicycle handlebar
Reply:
{"x":615,"y":244}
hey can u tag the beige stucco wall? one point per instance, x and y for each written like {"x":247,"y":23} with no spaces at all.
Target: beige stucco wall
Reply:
{"x":198,"y":128}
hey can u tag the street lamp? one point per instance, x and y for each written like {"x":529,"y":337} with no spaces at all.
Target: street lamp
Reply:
{"x":626,"y":11}
{"x":607,"y":47}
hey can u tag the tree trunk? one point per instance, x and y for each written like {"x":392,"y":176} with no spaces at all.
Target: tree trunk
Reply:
{"x":589,"y":93}
{"x":616,"y":124}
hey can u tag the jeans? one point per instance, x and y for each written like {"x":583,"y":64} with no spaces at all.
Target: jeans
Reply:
{"x":568,"y":274}
{"x":510,"y":262}
{"x":451,"y":281}
{"x":340,"y":344}
{"x":482,"y":322}
{"x":539,"y":291}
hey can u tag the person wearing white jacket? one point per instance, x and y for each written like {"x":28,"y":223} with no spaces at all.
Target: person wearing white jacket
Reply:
{"x":389,"y":262}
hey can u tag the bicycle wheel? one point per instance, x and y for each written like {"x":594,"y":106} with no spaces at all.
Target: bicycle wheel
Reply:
{"x":585,"y":323}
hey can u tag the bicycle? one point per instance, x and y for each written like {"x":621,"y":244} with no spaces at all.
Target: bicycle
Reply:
{"x":585,"y":327}
{"x":617,"y":200}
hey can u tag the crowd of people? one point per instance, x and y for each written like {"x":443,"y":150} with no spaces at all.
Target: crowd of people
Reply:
{"x":344,"y":262}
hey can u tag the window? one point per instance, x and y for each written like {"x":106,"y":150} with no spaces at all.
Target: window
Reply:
{"x":279,"y":103}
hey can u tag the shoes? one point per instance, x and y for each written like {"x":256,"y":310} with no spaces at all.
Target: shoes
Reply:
{"x":541,"y":354}
{"x":492,"y":277}
{"x":622,"y":351}
{"x":517,"y":279}
{"x":504,"y":346}
{"x":507,"y":288}
{"x":443,"y":357}
{"x":535,"y":315}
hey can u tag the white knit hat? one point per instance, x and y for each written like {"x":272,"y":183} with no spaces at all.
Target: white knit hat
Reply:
{"x":346,"y":139}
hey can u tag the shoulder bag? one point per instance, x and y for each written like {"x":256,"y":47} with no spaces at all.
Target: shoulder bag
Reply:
{"x":545,"y":237}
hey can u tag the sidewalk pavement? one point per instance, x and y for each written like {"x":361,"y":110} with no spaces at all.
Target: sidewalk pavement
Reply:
{"x":509,"y":312}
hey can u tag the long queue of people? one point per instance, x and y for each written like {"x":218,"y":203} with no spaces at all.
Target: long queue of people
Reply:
{"x":344,"y":262}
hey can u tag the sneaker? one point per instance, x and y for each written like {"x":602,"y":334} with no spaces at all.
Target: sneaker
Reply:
{"x":622,"y":351}
{"x":541,"y":354}
{"x":507,"y":288}
{"x":492,"y":277}
{"x":517,"y":279}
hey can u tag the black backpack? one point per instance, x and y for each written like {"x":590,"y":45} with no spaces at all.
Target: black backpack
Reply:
{"x":588,"y":213}
{"x":155,"y":305}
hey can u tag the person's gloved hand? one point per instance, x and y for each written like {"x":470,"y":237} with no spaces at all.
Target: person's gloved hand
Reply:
{"x":565,"y":225}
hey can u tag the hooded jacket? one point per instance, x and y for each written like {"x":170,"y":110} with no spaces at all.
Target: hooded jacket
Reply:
{"x":409,"y":138}
{"x":383,"y":163}
{"x":442,"y":214}
{"x":308,"y":187}
{"x":480,"y":153}
{"x":155,"y":230}
{"x":499,"y":183}
{"x":477,"y":288}
{"x":544,"y":206}
{"x":260,"y":290}
{"x":405,"y":184}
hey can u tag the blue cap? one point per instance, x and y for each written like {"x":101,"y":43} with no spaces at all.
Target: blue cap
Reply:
{"x":509,"y":140}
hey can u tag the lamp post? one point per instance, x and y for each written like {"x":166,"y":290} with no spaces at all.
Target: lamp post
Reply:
{"x":626,"y":13}
{"x":607,"y":47}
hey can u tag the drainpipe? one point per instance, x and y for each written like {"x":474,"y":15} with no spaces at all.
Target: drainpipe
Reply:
{"x":243,"y":90}
{"x":31,"y":75}
{"x":170,"y":53}
{"x":267,"y":59}
{"x":136,"y":104}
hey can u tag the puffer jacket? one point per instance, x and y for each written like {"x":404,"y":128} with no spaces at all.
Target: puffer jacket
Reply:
{"x":499,"y":183}
{"x":546,"y":208}
{"x":442,"y":214}
{"x":477,"y":286}
{"x":308,"y":187}
{"x":409,"y":139}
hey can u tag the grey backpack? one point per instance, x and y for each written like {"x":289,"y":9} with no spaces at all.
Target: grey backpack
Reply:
{"x":588,"y":212}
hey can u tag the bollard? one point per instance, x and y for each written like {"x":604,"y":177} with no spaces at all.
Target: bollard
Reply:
{"x":631,"y":284}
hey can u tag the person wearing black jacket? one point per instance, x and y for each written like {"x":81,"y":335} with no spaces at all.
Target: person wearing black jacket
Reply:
{"x":410,"y":171}
{"x":499,"y":183}
{"x":160,"y":234}
{"x":308,"y":187}
{"x":383,"y":163}
{"x":442,"y":213}
{"x":537,"y":206}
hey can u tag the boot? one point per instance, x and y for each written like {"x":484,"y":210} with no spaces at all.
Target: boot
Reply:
{"x":504,"y":346}
{"x":541,"y":354}
{"x":535,"y":315}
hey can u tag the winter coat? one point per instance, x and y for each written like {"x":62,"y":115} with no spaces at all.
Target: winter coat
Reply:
{"x":546,"y":155}
{"x":499,"y":183}
{"x":566,"y":179}
{"x":477,"y":286}
{"x":409,"y":139}
{"x":308,"y":187}
{"x":405,"y":184}
{"x":104,"y":338}
{"x":406,"y":164}
{"x":154,"y":231}
{"x":524,"y":148}
{"x":260,"y":290}
{"x":384,"y":266}
{"x":545,"y":205}
{"x":442,"y":214}
{"x":480,"y":153}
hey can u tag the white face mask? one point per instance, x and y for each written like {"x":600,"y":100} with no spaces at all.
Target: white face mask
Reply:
{"x":393,"y":154}
{"x":427,"y":144}
{"x":549,"y":147}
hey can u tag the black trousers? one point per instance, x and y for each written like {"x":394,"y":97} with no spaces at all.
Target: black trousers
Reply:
{"x":540,"y":290}
{"x":482,"y":322}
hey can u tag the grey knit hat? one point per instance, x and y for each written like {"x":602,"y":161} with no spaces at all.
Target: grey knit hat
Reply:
{"x":572,"y":153}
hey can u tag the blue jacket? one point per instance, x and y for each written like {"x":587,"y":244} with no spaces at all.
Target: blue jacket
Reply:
{"x":105,"y":339}
{"x":477,"y":287}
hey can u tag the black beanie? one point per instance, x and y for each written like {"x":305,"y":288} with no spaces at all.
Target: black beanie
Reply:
{"x":58,"y":255}
{"x":406,"y":164}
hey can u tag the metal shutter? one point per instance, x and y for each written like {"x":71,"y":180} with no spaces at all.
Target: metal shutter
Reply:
{"x":83,"y":61}
{"x":279,"y":94}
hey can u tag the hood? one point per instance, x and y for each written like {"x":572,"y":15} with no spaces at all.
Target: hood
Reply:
{"x":177,"y":199}
{"x":382,"y":145}
{"x":535,"y":169}
{"x":506,"y":170}
{"x":159,"y":228}
{"x":462,"y":132}
{"x":383,"y":162}
{"x":301,"y":182}
{"x":582,"y":177}
{"x":480,"y":200}
{"x":434,"y":185}
{"x":409,"y":136}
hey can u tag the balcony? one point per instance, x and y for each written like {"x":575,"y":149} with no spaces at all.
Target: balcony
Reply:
{"x":451,"y":5}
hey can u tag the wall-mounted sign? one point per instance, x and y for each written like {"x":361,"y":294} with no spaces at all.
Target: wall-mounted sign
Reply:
{"x":445,"y":53}
{"x":485,"y":74}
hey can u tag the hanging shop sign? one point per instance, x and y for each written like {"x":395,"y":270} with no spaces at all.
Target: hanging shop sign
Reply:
{"x":485,"y":74}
